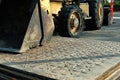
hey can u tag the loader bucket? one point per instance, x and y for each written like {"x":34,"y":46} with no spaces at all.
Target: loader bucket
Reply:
{"x":22,"y":25}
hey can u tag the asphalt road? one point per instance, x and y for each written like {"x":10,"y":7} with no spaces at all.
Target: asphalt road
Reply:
{"x":107,"y":33}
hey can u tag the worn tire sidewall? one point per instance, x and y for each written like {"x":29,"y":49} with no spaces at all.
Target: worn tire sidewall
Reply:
{"x":80,"y":23}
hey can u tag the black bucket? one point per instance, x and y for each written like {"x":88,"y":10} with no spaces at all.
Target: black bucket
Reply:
{"x":20,"y":24}
{"x":14,"y":20}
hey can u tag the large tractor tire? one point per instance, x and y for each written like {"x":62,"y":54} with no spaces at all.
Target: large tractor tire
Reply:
{"x":96,"y":9}
{"x":70,"y":21}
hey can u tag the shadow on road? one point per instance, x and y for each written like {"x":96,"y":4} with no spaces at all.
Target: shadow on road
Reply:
{"x":63,"y":60}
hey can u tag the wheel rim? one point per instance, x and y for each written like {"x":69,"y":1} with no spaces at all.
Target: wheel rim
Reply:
{"x":100,"y":11}
{"x":74,"y":23}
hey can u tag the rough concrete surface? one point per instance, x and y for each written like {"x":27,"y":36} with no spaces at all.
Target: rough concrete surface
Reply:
{"x":64,"y":58}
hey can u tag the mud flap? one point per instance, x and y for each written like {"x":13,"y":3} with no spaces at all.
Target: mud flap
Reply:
{"x":24,"y":24}
{"x":107,"y":20}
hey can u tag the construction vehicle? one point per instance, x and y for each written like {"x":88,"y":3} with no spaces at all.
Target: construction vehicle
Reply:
{"x":25,"y":24}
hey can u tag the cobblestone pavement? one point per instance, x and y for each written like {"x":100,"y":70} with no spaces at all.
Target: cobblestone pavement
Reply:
{"x":71,"y":58}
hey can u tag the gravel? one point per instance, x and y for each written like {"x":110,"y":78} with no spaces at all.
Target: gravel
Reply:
{"x":65,"y":58}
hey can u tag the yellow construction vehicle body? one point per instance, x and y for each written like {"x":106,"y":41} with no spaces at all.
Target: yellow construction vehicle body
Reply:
{"x":56,"y":5}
